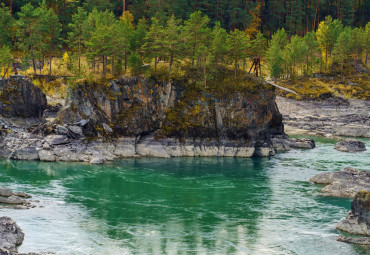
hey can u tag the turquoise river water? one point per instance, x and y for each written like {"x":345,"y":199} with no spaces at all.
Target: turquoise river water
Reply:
{"x":184,"y":205}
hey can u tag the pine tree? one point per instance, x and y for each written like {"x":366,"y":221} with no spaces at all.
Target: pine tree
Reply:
{"x":50,"y":29}
{"x":75,"y":37}
{"x":342,"y":48}
{"x":259,"y":45}
{"x":239,"y":45}
{"x":101,"y":42}
{"x":274,"y":54}
{"x":280,"y":38}
{"x":153,"y":48}
{"x":219,"y":48}
{"x":196,"y":33}
{"x":366,"y":43}
{"x":345,"y":12}
{"x":5,"y":59}
{"x":28,"y":32}
{"x":138,"y":37}
{"x":311,"y":50}
{"x":203,"y":54}
{"x":327,"y":34}
{"x":172,"y":41}
{"x":6,"y":26}
{"x":293,"y":54}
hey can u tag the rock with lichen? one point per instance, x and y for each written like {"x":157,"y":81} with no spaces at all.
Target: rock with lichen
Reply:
{"x":357,"y":220}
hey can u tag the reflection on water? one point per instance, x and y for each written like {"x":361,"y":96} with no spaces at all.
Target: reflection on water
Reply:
{"x":183,"y":205}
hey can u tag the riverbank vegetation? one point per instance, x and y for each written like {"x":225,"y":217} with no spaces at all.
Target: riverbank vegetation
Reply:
{"x":93,"y":41}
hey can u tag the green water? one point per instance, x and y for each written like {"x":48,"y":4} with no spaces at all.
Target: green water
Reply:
{"x":184,"y":205}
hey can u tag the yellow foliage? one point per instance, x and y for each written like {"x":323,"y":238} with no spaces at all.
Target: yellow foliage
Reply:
{"x":253,"y":28}
{"x":66,"y":58}
{"x":127,"y":16}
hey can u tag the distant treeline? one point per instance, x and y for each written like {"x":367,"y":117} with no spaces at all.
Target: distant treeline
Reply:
{"x":35,"y":35}
{"x":295,"y":16}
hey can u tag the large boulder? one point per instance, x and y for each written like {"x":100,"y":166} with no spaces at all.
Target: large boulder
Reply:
{"x":350,"y":145}
{"x":20,"y":98}
{"x":358,"y":219}
{"x":11,"y":235}
{"x":344,"y":183}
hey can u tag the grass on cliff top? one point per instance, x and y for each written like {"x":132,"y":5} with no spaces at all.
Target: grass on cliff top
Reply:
{"x":220,"y":81}
{"x":351,"y":85}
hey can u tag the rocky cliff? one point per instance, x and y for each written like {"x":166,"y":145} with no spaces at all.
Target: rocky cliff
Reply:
{"x":19,"y":98}
{"x":175,"y":119}
{"x":146,"y":117}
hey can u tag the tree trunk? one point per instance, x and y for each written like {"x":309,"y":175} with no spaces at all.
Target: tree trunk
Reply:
{"x":104,"y":67}
{"x":51,"y":59}
{"x":11,"y":6}
{"x":5,"y":72}
{"x":79,"y":53}
{"x":113,"y":66}
{"x":236,"y":67}
{"x":125,"y":61}
{"x":124,"y":7}
{"x":171,"y":62}
{"x":32,"y":52}
{"x":155,"y":64}
{"x":314,"y":22}
{"x":205,"y":76}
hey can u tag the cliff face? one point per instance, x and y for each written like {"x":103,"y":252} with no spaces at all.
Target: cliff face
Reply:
{"x":177,"y":120}
{"x":142,"y":117}
{"x":20,"y":98}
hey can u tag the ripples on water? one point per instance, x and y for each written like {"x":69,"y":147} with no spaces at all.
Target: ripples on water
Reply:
{"x":184,"y":205}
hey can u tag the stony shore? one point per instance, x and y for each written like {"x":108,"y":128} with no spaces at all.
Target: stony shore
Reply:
{"x":23,"y":145}
{"x":327,"y":117}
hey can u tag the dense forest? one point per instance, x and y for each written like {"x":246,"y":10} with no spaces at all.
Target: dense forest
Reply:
{"x":295,"y":16}
{"x":98,"y":37}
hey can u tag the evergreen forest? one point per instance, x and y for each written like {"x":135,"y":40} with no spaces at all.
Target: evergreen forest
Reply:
{"x":91,"y":38}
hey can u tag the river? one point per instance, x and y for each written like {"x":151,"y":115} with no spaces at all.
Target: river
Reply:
{"x":184,"y":205}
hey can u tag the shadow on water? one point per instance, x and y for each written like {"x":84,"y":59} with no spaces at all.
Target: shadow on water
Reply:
{"x":209,"y":204}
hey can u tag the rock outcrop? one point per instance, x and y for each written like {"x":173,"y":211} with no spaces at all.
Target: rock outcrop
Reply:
{"x":344,"y":183}
{"x":137,"y":116}
{"x":15,"y":200}
{"x":286,"y":144}
{"x":20,"y":98}
{"x":358,"y":219}
{"x":350,"y":145}
{"x":327,"y":117}
{"x":168,"y":119}
{"x":11,"y":236}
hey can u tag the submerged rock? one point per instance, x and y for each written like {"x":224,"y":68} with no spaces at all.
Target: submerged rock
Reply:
{"x":97,"y":161}
{"x":350,"y":145}
{"x":354,"y":240}
{"x":358,"y":219}
{"x":344,"y":183}
{"x":286,"y":144}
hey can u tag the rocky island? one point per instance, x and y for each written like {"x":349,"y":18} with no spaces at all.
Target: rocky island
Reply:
{"x":137,"y":116}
